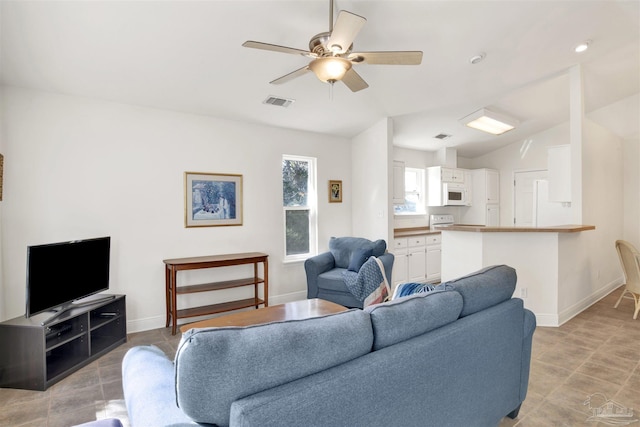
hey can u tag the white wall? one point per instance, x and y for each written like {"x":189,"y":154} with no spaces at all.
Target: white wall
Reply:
{"x":78,"y":168}
{"x":602,"y":202}
{"x":371,"y":177}
{"x":631,"y":202}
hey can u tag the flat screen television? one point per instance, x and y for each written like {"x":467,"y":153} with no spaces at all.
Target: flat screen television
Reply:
{"x":59,"y":274}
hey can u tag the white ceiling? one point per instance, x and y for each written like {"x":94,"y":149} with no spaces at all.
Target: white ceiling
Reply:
{"x":187,"y":56}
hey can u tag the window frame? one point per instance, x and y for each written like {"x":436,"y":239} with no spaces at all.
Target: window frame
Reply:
{"x":311,"y":206}
{"x":421,"y":193}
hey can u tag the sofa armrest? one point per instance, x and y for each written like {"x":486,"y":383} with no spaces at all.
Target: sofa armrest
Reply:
{"x":527,"y":340}
{"x":387,"y":260}
{"x":314,"y":267}
{"x":148,"y":381}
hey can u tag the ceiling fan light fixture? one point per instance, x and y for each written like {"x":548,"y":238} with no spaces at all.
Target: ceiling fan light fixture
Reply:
{"x":330,"y":68}
{"x":490,"y":121}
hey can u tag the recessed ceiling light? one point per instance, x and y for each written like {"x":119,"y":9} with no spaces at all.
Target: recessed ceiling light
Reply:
{"x":582,"y":46}
{"x":477,"y":58}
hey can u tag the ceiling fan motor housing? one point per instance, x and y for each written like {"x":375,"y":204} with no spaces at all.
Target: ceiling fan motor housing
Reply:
{"x":318,"y":45}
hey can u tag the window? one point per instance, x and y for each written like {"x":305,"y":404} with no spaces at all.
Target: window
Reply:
{"x":299,"y":202}
{"x":414,"y":192}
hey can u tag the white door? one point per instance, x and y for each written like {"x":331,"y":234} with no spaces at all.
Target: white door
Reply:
{"x":523,"y":196}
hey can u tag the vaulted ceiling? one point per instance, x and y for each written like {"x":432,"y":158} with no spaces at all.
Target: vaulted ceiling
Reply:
{"x":188,"y":56}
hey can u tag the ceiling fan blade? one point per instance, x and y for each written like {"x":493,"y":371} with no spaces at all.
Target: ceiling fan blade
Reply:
{"x":409,"y":57}
{"x":354,"y":81}
{"x":292,"y":75}
{"x":345,"y":31}
{"x":276,"y":48}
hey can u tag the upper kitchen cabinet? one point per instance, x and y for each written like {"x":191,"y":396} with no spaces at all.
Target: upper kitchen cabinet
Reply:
{"x":450,"y":175}
{"x":398,"y":182}
{"x":559,"y":173}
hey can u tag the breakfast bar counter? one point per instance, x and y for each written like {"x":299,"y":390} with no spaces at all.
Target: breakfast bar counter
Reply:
{"x":550,"y":281}
{"x":416,"y":231}
{"x":547,"y":229}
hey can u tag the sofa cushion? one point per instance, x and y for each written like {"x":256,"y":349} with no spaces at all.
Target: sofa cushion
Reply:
{"x":216,"y":366}
{"x":333,"y":280}
{"x":414,"y":315}
{"x":342,"y":247}
{"x":484,"y":288}
{"x":358,"y":258}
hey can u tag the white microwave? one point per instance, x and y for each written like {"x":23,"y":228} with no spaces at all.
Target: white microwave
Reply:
{"x":454,"y":194}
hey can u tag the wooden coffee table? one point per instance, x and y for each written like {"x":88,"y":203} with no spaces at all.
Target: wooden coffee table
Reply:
{"x":296,"y":310}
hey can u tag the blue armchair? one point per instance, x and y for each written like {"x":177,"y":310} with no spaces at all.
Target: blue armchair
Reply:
{"x":325,"y":271}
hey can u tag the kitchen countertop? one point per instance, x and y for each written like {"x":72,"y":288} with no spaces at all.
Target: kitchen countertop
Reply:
{"x":549,"y":229}
{"x":414,"y":231}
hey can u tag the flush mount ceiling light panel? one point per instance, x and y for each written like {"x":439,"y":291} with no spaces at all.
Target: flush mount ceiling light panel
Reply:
{"x":490,"y":121}
{"x":332,"y":56}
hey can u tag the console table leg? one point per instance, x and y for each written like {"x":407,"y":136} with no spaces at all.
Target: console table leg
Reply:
{"x":174,"y":301}
{"x":265,"y":285}
{"x":167,"y":285}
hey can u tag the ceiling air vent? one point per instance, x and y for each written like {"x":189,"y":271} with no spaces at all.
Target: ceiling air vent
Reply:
{"x":278,"y":102}
{"x":442,"y":136}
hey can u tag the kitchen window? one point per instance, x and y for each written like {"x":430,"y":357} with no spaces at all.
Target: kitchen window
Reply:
{"x":414,"y":193}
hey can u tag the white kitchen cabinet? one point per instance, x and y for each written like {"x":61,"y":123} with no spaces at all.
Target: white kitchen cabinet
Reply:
{"x":485,"y":199}
{"x":400,"y":272}
{"x":559,"y":173}
{"x":492,"y":186}
{"x":417,"y":262}
{"x":417,"y":259}
{"x":493,"y":215}
{"x":433,"y":257}
{"x":443,"y":174}
{"x":398,"y":182}
{"x":410,"y":261}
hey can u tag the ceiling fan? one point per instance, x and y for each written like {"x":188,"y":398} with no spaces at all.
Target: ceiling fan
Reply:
{"x":332,"y":53}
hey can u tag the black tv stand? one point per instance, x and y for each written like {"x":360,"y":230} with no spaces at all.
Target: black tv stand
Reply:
{"x":34,"y":356}
{"x":59,"y":311}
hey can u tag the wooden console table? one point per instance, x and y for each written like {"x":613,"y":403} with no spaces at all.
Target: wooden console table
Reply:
{"x":172,"y":266}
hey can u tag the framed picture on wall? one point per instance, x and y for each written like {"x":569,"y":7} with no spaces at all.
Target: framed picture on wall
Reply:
{"x":335,"y":191}
{"x":212,"y":199}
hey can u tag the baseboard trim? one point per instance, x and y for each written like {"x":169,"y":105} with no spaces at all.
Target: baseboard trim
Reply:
{"x":555,"y":320}
{"x":587,"y":302}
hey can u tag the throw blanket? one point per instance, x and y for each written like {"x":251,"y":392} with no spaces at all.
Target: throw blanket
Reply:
{"x":406,"y":289}
{"x":369,"y":284}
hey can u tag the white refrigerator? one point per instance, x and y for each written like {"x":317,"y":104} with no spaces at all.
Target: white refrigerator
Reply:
{"x":546,"y":213}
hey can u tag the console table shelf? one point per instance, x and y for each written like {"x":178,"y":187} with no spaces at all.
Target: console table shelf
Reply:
{"x":173,"y":266}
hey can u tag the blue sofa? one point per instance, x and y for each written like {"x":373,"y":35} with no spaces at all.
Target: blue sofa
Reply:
{"x":325,"y":271}
{"x":458,"y":356}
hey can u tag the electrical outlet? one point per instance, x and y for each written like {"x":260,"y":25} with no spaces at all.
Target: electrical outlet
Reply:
{"x":523,"y":292}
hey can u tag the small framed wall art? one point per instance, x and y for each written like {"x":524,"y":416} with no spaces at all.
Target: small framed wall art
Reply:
{"x":212,"y":199}
{"x":335,"y":191}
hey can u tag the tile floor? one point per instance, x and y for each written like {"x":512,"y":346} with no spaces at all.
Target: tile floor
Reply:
{"x":598,"y":351}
